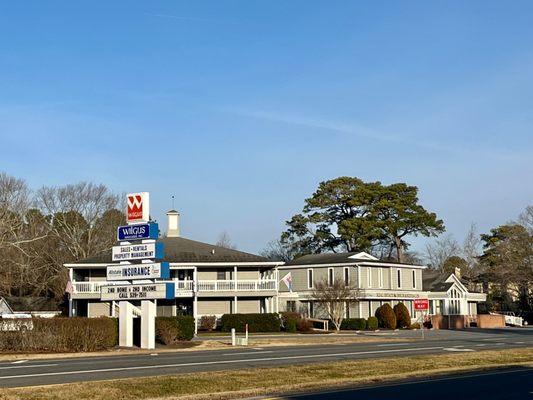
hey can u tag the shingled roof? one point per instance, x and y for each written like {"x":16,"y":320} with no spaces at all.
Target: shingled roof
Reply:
{"x":435,"y":281}
{"x":336,"y":258}
{"x":180,"y":249}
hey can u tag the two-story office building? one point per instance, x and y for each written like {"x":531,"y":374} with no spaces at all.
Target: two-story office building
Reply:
{"x":374,"y":283}
{"x":209,"y":280}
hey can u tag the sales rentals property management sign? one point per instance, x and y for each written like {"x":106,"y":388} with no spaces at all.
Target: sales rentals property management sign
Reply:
{"x":138,"y":251}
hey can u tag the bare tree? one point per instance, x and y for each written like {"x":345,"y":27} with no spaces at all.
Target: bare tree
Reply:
{"x":76,"y":212}
{"x":224,"y":240}
{"x":440,"y":250}
{"x":276,"y":250}
{"x":472,"y":250}
{"x":526,"y":219}
{"x":333,"y":299}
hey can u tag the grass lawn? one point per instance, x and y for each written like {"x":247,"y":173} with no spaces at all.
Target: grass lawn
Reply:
{"x":276,"y":380}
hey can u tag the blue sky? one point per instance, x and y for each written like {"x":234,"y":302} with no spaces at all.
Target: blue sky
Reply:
{"x":239,"y":109}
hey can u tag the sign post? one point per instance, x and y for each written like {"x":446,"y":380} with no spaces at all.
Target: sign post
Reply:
{"x":421,"y":305}
{"x":137,"y":263}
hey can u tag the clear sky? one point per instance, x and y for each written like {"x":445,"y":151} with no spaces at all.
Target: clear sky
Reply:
{"x":239,"y":109}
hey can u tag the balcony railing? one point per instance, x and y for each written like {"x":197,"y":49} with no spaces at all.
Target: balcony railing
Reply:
{"x":237,"y":286}
{"x":188,"y":286}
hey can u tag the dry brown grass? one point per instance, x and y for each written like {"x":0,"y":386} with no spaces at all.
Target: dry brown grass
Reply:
{"x":258,"y":381}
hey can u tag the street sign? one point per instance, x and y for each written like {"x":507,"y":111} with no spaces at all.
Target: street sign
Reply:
{"x":145,"y":291}
{"x":421,"y":304}
{"x":127,"y":272}
{"x":138,"y":251}
{"x":138,"y":207}
{"x":138,"y":232}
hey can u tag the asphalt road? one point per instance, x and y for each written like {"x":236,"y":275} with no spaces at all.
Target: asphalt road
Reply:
{"x":54,"y":371}
{"x":494,"y":385}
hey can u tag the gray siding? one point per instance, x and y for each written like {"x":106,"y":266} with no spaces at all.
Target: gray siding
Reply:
{"x":98,"y":309}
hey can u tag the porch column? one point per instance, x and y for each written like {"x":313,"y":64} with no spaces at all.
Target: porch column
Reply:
{"x":235,"y":305}
{"x":235,"y":278}
{"x":195,"y":299}
{"x":70,"y":276}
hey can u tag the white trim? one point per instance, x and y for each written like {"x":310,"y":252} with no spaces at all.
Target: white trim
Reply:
{"x":332,"y":271}
{"x":363,"y":256}
{"x":346,"y":275}
{"x":369,"y":277}
{"x":399,"y":278}
{"x":177,"y":264}
{"x":383,"y":264}
{"x":312,"y":278}
{"x":358,"y":277}
{"x":381,"y":277}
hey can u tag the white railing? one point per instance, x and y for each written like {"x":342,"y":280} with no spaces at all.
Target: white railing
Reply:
{"x":236,"y":286}
{"x":188,"y":286}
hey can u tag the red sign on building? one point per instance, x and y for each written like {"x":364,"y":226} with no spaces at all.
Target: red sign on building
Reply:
{"x":421,"y":304}
{"x":138,"y":209}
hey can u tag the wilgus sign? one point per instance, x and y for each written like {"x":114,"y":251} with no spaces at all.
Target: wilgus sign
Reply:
{"x":138,"y":208}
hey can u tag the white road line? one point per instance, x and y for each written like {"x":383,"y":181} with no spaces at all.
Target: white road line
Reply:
{"x":456,"y":349}
{"x":19,"y":362}
{"x":30,"y":366}
{"x":393,"y":344}
{"x":247,"y":352}
{"x":90,"y":371}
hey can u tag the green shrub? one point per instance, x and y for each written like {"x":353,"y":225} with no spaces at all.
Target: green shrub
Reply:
{"x":290,"y":325}
{"x":256,"y":322}
{"x":353,"y":324}
{"x":372,"y":323}
{"x":403,"y":319}
{"x":170,"y":330}
{"x":61,"y":335}
{"x":386,"y":317}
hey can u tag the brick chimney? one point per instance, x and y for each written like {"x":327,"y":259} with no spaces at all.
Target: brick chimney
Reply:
{"x":173,"y":223}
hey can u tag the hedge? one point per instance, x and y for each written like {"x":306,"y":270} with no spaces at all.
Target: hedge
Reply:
{"x":403,"y":319}
{"x":386,"y":317}
{"x":61,"y":335}
{"x":372,"y":323}
{"x":354,"y":324}
{"x":256,"y":322}
{"x":170,"y":330}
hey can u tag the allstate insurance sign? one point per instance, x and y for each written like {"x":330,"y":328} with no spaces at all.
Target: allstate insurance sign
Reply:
{"x":138,"y":207}
{"x":138,"y":251}
{"x":146,"y":291}
{"x":126,"y":272}
{"x":138,"y":232}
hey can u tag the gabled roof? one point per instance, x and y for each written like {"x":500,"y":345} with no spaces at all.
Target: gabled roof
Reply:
{"x":180,"y":249}
{"x":5,"y":308}
{"x":436,"y":281}
{"x":340,"y":258}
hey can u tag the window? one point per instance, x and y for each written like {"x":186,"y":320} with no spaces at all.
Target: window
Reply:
{"x":381,"y":277}
{"x":347,"y":310}
{"x":346,"y":276}
{"x":310,"y":279}
{"x":291,"y":306}
{"x":369,"y":277}
{"x":221,"y":274}
{"x":414,"y":279}
{"x":399,"y":275}
{"x":330,"y":276}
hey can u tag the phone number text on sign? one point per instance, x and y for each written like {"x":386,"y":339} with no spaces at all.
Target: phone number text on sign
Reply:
{"x":138,"y":291}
